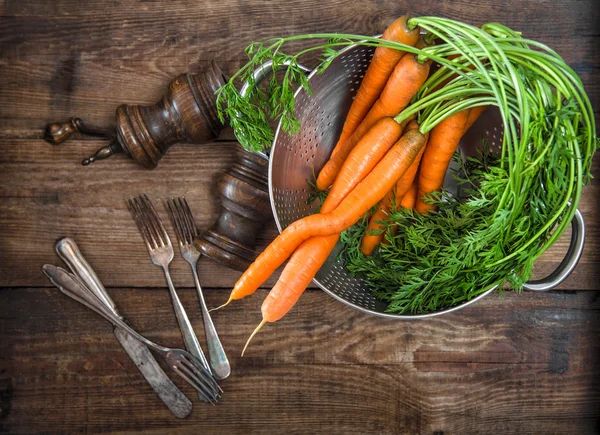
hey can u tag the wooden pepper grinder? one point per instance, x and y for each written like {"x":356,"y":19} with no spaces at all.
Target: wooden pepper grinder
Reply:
{"x":245,"y":207}
{"x":188,"y":113}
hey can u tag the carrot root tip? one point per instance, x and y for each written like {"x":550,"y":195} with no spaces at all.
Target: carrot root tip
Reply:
{"x":221,"y":306}
{"x":261,"y":324}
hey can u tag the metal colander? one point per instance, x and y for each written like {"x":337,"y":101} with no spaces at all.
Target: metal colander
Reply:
{"x":294,"y":159}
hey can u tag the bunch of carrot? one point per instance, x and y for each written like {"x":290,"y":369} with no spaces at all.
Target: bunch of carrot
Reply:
{"x":376,"y":160}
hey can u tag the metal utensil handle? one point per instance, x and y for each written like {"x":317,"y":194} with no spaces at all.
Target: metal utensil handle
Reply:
{"x":168,"y":392}
{"x":571,"y":259}
{"x":81,"y":294}
{"x":218,"y":358}
{"x":69,"y":252}
{"x":261,"y":73}
{"x":189,"y":336}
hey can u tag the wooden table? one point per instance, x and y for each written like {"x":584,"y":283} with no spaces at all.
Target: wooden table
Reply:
{"x":512,"y":363}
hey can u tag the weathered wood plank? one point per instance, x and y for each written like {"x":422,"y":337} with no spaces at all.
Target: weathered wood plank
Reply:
{"x":189,"y":22}
{"x":478,"y":12}
{"x":515,"y":363}
{"x":92,"y":90}
{"x":59,"y":65}
{"x":46,"y":194}
{"x":41,"y":202}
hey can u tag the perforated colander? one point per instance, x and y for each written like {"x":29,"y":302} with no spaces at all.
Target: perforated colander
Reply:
{"x":294,"y":159}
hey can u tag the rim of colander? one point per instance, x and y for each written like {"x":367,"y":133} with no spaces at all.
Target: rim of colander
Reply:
{"x":322,"y":286}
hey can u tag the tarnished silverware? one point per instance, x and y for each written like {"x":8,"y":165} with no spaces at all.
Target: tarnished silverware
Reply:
{"x":186,"y":231}
{"x":166,"y":390}
{"x":186,"y":365}
{"x":161,"y":253}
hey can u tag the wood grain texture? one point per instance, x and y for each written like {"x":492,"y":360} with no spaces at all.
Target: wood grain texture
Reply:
{"x":42,"y":199}
{"x":524,"y":363}
{"x":64,"y":58}
{"x":45,"y":194}
{"x":513,"y":363}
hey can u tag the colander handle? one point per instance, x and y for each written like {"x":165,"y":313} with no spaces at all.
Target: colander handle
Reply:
{"x":261,"y":73}
{"x":571,"y":259}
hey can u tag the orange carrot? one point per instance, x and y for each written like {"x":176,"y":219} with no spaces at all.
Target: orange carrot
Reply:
{"x":364,"y":196}
{"x":382,"y":64}
{"x":474,"y":116}
{"x":280,"y":299}
{"x":313,"y":252}
{"x":405,"y":182}
{"x":405,"y":192}
{"x":302,"y":268}
{"x":407,"y":202}
{"x":367,"y":153}
{"x":376,"y":228}
{"x":332,"y":168}
{"x":370,"y":240}
{"x":442,"y":143}
{"x":310,"y":256}
{"x":408,"y":76}
{"x":410,"y":199}
{"x":421,"y":206}
{"x":362,"y":160}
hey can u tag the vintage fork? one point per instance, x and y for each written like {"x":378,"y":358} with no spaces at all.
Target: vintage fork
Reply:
{"x":161,"y":253}
{"x":183,"y":363}
{"x":186,"y":231}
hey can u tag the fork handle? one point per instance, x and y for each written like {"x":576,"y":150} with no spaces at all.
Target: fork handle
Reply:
{"x":218,"y":359}
{"x":189,"y":336}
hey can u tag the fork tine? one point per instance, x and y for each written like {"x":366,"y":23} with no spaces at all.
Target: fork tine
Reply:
{"x":181,"y":218}
{"x":132,"y":205}
{"x":148,"y":220}
{"x":154,"y":221}
{"x":194,"y":382}
{"x":158,"y":226}
{"x":190,"y":218}
{"x":175,"y":221}
{"x":145,"y":221}
{"x":204,"y":387}
{"x":201,"y":373}
{"x":198,"y":368}
{"x":184,"y":219}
